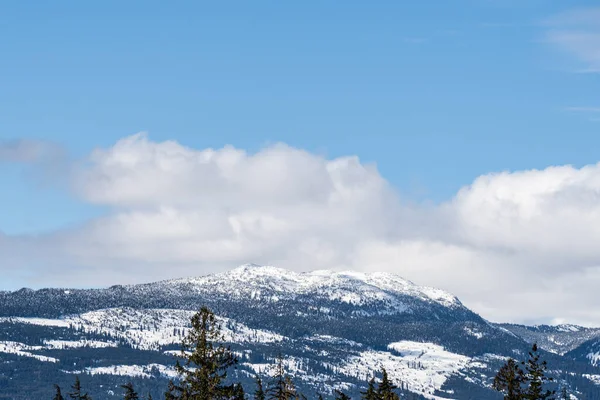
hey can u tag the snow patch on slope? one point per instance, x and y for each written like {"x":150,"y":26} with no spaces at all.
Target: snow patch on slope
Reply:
{"x":594,"y":358}
{"x":333,"y":340}
{"x":150,"y":329}
{"x":594,"y":378}
{"x":298,"y":369}
{"x":36,"y":321}
{"x":24,"y":350}
{"x":76,"y":344}
{"x":472,"y":332}
{"x":419,"y":367}
{"x":137,"y":371}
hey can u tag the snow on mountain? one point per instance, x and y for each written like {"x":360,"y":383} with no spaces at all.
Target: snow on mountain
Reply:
{"x":589,"y":351}
{"x":593,"y":378}
{"x":298,"y":369}
{"x":419,"y":367}
{"x":333,"y":340}
{"x":24,"y":350}
{"x":559,"y":339}
{"x":147,"y":329}
{"x":335,"y":330}
{"x":136,"y":371}
{"x":255,"y":282}
{"x":62,"y":323}
{"x":594,"y":358}
{"x":473,"y":332}
{"x":569,"y":328}
{"x":76,"y":344}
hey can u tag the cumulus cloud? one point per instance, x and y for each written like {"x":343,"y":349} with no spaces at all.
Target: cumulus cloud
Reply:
{"x":577,"y":32}
{"x":514,"y":246}
{"x":221,"y":207}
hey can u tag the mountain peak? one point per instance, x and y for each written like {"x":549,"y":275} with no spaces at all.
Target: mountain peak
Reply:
{"x":257,"y":269}
{"x":349,"y":286}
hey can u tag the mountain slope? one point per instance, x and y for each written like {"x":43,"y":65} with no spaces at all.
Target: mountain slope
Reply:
{"x":263,"y":285}
{"x":334,"y":328}
{"x":558,"y":339}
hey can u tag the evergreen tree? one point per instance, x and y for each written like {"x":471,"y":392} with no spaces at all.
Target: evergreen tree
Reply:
{"x":205,"y":362}
{"x":76,"y":393}
{"x":564,"y":395}
{"x":535,"y":373}
{"x":509,"y":380}
{"x":385,"y":390}
{"x":339,"y":395}
{"x":149,"y":396}
{"x":58,"y":395}
{"x":299,"y":396}
{"x":282,"y":387}
{"x":238,"y":392}
{"x":371,"y":392}
{"x":174,"y":392}
{"x":130,"y":393}
{"x":259,"y":394}
{"x":291,"y":388}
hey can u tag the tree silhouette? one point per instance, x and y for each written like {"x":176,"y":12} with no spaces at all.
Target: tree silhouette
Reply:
{"x":130,"y":393}
{"x":76,"y":393}
{"x":205,"y":362}
{"x":509,"y":380}
{"x":371,"y":392}
{"x":535,"y":373}
{"x":385,"y":390}
{"x":259,"y":393}
{"x":58,"y":395}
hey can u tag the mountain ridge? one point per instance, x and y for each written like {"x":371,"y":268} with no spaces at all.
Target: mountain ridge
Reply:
{"x":336,"y":328}
{"x":280,"y":273}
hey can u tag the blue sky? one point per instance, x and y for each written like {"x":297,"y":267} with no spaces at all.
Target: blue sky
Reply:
{"x":482,"y":117}
{"x":434,"y":93}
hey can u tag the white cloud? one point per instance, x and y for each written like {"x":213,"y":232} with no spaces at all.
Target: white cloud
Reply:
{"x":513,"y":246}
{"x":173,"y":204}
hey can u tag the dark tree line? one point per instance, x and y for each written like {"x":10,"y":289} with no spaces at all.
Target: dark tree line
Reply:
{"x":204,"y":362}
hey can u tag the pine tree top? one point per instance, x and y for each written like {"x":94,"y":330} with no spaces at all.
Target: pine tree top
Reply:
{"x":371,"y":392}
{"x":205,"y":361}
{"x":76,"y":393}
{"x":58,"y":395}
{"x":130,"y":393}
{"x":259,"y":394}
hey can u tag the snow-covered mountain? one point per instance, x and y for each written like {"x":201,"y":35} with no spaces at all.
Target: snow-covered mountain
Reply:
{"x":274,"y":284}
{"x":258,"y":284}
{"x":559,"y":339}
{"x":336,"y":329}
